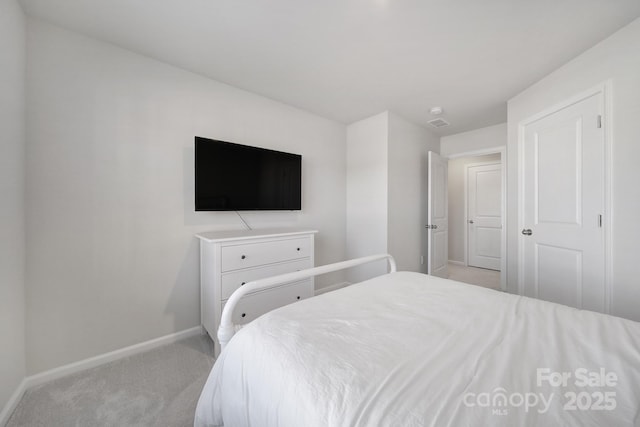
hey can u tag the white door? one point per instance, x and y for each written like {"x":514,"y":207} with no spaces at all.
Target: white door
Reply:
{"x":562,"y":185}
{"x":437,"y":217}
{"x":484,"y":215}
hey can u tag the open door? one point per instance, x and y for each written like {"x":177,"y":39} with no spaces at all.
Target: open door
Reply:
{"x":437,"y":217}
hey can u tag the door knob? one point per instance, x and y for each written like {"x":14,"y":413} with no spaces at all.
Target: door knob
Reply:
{"x":527,"y":232}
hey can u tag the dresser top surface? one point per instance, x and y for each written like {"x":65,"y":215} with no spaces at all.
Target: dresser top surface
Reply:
{"x":226,"y":235}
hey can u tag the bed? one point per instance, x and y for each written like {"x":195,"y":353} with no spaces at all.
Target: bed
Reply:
{"x":407,"y":349}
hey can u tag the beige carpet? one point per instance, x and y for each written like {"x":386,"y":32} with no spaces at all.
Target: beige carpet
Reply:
{"x":158,"y":388}
{"x":475,"y":276}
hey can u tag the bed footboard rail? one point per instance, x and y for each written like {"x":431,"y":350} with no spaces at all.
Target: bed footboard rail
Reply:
{"x":227,"y":328}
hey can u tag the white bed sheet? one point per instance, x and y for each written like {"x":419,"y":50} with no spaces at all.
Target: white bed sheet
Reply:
{"x":406,"y":349}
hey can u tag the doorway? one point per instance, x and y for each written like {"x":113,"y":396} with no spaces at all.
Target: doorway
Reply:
{"x":477,"y":205}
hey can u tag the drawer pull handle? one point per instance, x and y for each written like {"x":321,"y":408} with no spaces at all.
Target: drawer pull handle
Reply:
{"x":243,"y":257}
{"x":244,"y":314}
{"x":298,"y":297}
{"x":298,"y":249}
{"x":241,"y":284}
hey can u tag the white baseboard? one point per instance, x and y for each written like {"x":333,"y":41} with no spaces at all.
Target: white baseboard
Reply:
{"x":457,"y":263}
{"x":92,"y":362}
{"x":13,"y":402}
{"x":330,"y":288}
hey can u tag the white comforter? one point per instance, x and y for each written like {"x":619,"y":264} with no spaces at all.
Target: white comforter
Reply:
{"x":407,"y":349}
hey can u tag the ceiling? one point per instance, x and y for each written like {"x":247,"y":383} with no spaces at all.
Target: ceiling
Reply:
{"x":349,"y":59}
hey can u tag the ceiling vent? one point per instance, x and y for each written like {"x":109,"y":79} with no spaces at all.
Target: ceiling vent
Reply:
{"x":438,"y":123}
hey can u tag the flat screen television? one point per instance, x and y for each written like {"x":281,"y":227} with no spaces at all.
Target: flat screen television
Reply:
{"x":234,"y":177}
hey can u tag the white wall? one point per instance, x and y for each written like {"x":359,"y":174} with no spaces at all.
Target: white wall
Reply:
{"x":110,"y":210}
{"x":474,"y":140}
{"x":367,"y":193}
{"x":457,"y":203}
{"x":408,"y":148}
{"x":386,"y":191}
{"x":12,"y":238}
{"x":616,"y":58}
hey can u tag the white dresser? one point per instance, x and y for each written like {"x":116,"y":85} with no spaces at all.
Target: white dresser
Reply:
{"x":229,"y":259}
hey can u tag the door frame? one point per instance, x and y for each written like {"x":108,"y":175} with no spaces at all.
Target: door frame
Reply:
{"x":502,"y":150}
{"x":466,"y":206}
{"x":605,"y":91}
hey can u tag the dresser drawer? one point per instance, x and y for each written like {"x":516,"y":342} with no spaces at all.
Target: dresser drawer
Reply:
{"x":235,"y":257}
{"x":233,"y":280}
{"x":256,"y":304}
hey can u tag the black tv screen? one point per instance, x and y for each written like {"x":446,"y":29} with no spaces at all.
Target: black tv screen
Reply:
{"x":234,"y":177}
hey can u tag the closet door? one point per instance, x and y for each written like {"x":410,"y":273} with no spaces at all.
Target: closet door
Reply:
{"x":563,"y":200}
{"x":484,"y":215}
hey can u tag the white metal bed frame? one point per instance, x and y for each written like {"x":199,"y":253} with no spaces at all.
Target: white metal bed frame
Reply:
{"x":228,"y":329}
